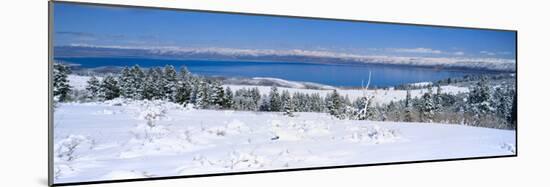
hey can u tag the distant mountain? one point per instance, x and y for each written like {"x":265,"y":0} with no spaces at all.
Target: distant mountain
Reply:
{"x":492,"y":64}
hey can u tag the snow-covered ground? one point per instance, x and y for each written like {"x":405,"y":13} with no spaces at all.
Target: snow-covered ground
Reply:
{"x":122,"y":139}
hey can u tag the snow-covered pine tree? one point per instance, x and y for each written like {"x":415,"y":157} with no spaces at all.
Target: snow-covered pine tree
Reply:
{"x":136,"y":82}
{"x":256,"y":96}
{"x":334,"y":104}
{"x":316,"y":103}
{"x":61,"y":86}
{"x":408,"y":107}
{"x":183,"y":87}
{"x":286,"y":101}
{"x":92,"y":87}
{"x":503,"y":100}
{"x":427,"y":107}
{"x":227,"y":98}
{"x":264,"y":103}
{"x":109,"y":88}
{"x":148,"y":85}
{"x":125,"y":81}
{"x":479,"y":98}
{"x":297,"y":102}
{"x":159,"y":84}
{"x":202,"y":94}
{"x":274,"y":100}
{"x":216,"y":95}
{"x":171,"y":83}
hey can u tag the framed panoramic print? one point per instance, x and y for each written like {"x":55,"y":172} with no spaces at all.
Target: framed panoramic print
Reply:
{"x":141,"y":93}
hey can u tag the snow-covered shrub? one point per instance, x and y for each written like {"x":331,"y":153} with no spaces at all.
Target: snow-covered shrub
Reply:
{"x":71,"y":147}
{"x":244,"y":160}
{"x":374,"y":134}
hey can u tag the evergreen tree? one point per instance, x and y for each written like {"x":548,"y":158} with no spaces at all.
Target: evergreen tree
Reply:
{"x":256,"y":96}
{"x":408,"y":107}
{"x":159,"y":83}
{"x":61,"y":87}
{"x":317,"y":103}
{"x":93,"y":87}
{"x":274,"y":100}
{"x":184,"y":87}
{"x":109,"y":88}
{"x":135,"y":84}
{"x":227,"y":98}
{"x":170,"y":79}
{"x":286,"y":101}
{"x":202,"y":95}
{"x":334,"y":104}
{"x":264,"y":105}
{"x":148,"y":86}
{"x":216,"y":95}
{"x":427,"y":107}
{"x":479,"y":98}
{"x":126,"y":82}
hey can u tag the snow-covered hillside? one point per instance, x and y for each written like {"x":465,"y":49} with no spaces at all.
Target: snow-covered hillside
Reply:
{"x":122,"y":139}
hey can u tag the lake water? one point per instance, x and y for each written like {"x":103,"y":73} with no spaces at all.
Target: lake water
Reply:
{"x":329,"y":74}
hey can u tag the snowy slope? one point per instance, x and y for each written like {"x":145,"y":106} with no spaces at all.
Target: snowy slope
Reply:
{"x":137,"y":139}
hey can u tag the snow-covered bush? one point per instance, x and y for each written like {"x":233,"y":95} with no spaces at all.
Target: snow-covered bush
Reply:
{"x":71,"y":147}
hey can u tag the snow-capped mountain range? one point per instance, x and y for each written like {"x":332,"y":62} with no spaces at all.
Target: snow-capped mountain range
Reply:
{"x":295,"y":55}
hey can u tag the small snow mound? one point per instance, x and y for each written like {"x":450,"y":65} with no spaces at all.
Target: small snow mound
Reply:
{"x":297,"y":130}
{"x":237,"y":126}
{"x":374,"y":134}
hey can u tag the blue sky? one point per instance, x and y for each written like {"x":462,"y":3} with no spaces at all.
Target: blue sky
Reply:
{"x":102,"y":25}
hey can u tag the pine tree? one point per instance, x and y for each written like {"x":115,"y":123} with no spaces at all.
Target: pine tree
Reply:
{"x":216,"y":94}
{"x":93,"y":87}
{"x":159,"y":84}
{"x":408,"y":107}
{"x":148,"y":85}
{"x":202,"y":94}
{"x":135,"y":84}
{"x":61,"y":86}
{"x":227,"y":98}
{"x":256,"y":96}
{"x":286,"y":101}
{"x":264,"y":105}
{"x":170,"y":79}
{"x":184,"y":87}
{"x":427,"y":107}
{"x":274,"y":100}
{"x":479,"y":98}
{"x":126,"y":82}
{"x":109,"y":88}
{"x":334,"y":104}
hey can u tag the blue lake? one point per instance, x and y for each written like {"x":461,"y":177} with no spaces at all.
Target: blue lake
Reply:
{"x":329,"y":74}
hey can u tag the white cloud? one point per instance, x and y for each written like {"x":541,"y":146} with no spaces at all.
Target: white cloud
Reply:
{"x":416,"y":50}
{"x":487,"y":53}
{"x":458,"y":53}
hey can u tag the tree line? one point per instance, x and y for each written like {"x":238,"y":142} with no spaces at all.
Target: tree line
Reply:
{"x":483,"y":105}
